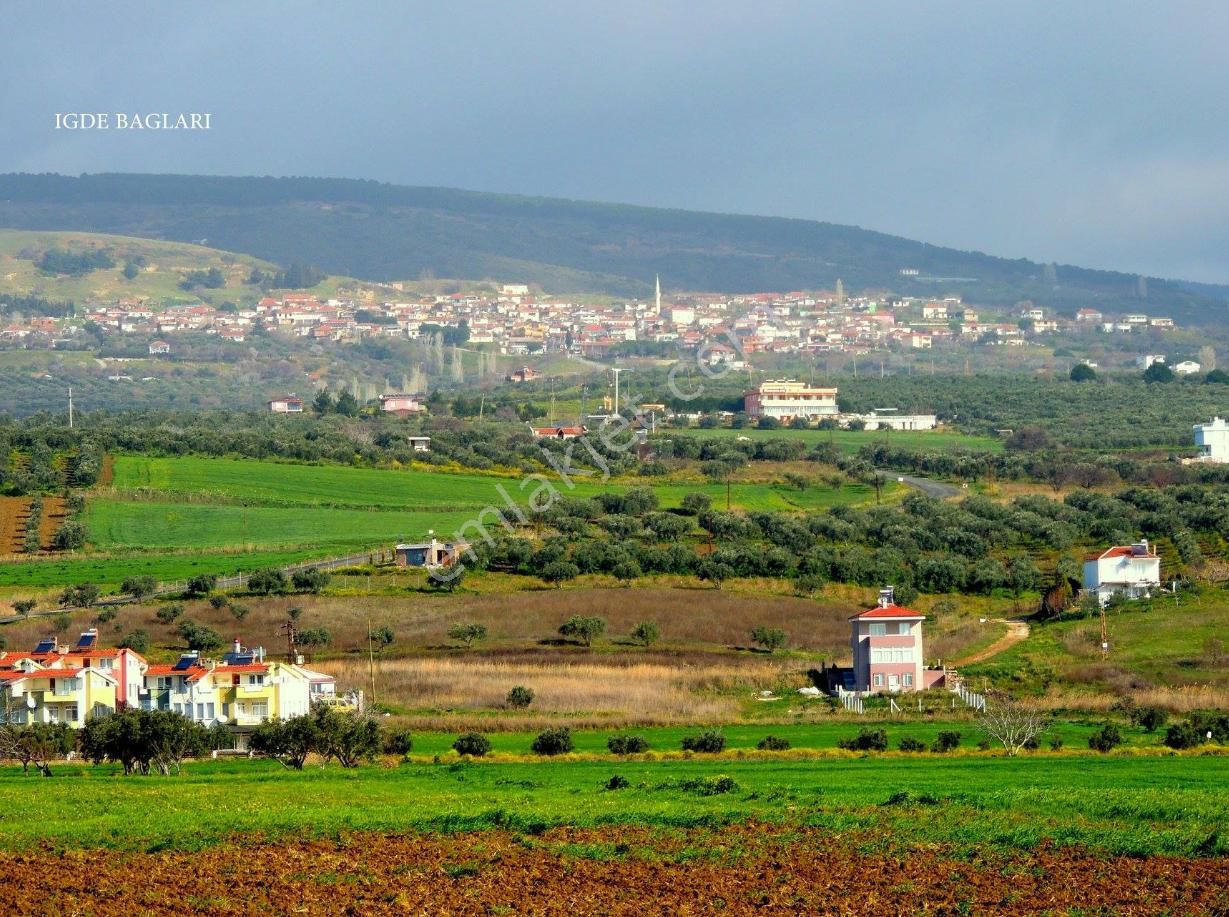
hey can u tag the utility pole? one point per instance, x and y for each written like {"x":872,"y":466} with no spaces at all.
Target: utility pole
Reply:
{"x":371,"y":659}
{"x":70,"y":407}
{"x":616,"y":370}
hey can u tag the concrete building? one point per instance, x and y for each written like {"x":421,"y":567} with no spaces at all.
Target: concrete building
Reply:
{"x":887,"y":647}
{"x":1131,"y":570}
{"x":286,"y":404}
{"x":786,"y":399}
{"x":1213,"y":440}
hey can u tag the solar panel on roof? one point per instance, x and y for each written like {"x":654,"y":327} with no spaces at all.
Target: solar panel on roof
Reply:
{"x":86,"y":641}
{"x":185,"y":662}
{"x":46,"y":645}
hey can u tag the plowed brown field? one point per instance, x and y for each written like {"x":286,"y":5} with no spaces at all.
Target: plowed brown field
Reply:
{"x":13,"y":513}
{"x":614,"y":870}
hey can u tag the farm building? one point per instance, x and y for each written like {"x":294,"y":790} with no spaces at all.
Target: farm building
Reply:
{"x":401,"y":403}
{"x":1213,"y":440}
{"x":430,"y":554}
{"x":286,"y":404}
{"x":1131,"y":570}
{"x":419,"y":443}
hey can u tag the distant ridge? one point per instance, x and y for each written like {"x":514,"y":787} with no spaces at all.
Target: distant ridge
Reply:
{"x":378,"y":231}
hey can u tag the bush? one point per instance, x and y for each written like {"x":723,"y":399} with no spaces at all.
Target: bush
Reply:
{"x":866,"y":740}
{"x":710,"y":786}
{"x":710,"y":741}
{"x":617,"y":783}
{"x":267,"y":582}
{"x":771,"y":638}
{"x":556,"y":741}
{"x":474,"y":744}
{"x":218,"y":602}
{"x":583,"y":629}
{"x":312,"y":581}
{"x":398,"y":742}
{"x":1056,"y":743}
{"x":1183,"y":735}
{"x":519,"y":697}
{"x":773,"y":743}
{"x":627,"y":745}
{"x":945,"y":741}
{"x":169,"y":612}
{"x":909,"y":743}
{"x":137,"y":641}
{"x":467,"y":633}
{"x":201,"y":584}
{"x":646,"y":633}
{"x":1105,"y":739}
{"x":1150,"y":718}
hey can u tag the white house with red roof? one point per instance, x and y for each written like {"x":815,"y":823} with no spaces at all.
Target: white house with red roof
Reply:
{"x":887,"y":647}
{"x":1131,"y":570}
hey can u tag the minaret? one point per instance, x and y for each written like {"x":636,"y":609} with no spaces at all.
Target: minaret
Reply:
{"x":658,"y":296}
{"x":840,"y":292}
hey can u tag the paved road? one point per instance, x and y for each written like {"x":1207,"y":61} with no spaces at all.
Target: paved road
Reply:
{"x":936,"y":489}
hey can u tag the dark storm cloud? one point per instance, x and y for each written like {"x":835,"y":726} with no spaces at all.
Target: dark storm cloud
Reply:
{"x":1091,"y":135}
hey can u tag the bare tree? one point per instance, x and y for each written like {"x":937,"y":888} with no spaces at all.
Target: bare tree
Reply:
{"x":1014,"y":724}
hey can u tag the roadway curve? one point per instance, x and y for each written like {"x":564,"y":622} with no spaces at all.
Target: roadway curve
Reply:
{"x":936,"y":489}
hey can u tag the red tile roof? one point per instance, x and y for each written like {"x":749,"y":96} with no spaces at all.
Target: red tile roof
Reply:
{"x":889,"y":611}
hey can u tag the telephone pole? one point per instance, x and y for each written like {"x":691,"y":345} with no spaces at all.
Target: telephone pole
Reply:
{"x":70,"y":407}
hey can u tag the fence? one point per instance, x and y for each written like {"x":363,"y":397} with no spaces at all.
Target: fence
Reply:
{"x":851,"y":700}
{"x":972,"y":698}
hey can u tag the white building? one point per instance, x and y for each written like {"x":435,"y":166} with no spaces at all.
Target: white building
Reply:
{"x":893,"y":421}
{"x":1213,"y":440}
{"x":1187,"y":368}
{"x":1148,"y":359}
{"x":1132,"y":570}
{"x":786,"y":399}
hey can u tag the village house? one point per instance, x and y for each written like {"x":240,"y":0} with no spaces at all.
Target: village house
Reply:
{"x":285,"y":404}
{"x":419,"y":443}
{"x":159,"y":347}
{"x":1213,"y":440}
{"x":1130,"y":570}
{"x":559,"y":432}
{"x":401,"y":404}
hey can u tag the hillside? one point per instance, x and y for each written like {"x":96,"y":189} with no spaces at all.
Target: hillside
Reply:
{"x":163,"y":266}
{"x":382,"y":232}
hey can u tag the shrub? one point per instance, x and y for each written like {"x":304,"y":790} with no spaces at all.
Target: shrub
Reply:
{"x":474,"y":744}
{"x":710,"y":741}
{"x":984,"y":745}
{"x":311,"y":580}
{"x":240,"y":611}
{"x":1183,"y":735}
{"x":583,"y":629}
{"x":218,"y":602}
{"x":169,"y":612}
{"x":519,"y":697}
{"x":1150,"y":718}
{"x":1105,"y":739}
{"x":771,"y":638}
{"x":398,"y":742}
{"x":773,"y":743}
{"x":627,"y":745}
{"x":646,"y":633}
{"x":1056,"y":743}
{"x":267,"y":582}
{"x":909,"y":743}
{"x":1030,"y":744}
{"x":467,"y":633}
{"x":945,"y":741}
{"x":617,"y":783}
{"x":137,"y":641}
{"x":866,"y":740}
{"x":201,"y":584}
{"x":555,"y":741}
{"x":710,"y":786}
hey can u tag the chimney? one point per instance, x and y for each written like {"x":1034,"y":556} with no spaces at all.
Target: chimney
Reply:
{"x":887,"y":596}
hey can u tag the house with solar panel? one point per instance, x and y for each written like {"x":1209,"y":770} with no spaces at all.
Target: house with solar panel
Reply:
{"x":59,"y":684}
{"x":241,"y":691}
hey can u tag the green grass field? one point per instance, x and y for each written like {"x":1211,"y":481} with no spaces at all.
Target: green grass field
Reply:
{"x":1117,"y":804}
{"x":852,"y":440}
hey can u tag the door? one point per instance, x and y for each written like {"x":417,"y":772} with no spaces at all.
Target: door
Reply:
{"x":893,"y":683}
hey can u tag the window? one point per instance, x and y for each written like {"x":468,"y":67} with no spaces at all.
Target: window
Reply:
{"x":908,"y":680}
{"x":904,"y":628}
{"x":878,"y":630}
{"x":200,"y":711}
{"x":106,"y":663}
{"x":256,"y":680}
{"x":164,"y":682}
{"x":260,"y":710}
{"x":209,"y":714}
{"x":878,"y":680}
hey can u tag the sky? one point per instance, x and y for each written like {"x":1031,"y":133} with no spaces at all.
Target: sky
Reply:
{"x":1092,"y":133}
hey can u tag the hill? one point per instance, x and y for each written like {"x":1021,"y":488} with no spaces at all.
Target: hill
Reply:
{"x":384,"y":232}
{"x":161,"y":269}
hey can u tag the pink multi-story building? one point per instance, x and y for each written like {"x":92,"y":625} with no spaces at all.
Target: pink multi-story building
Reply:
{"x":887,"y":647}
